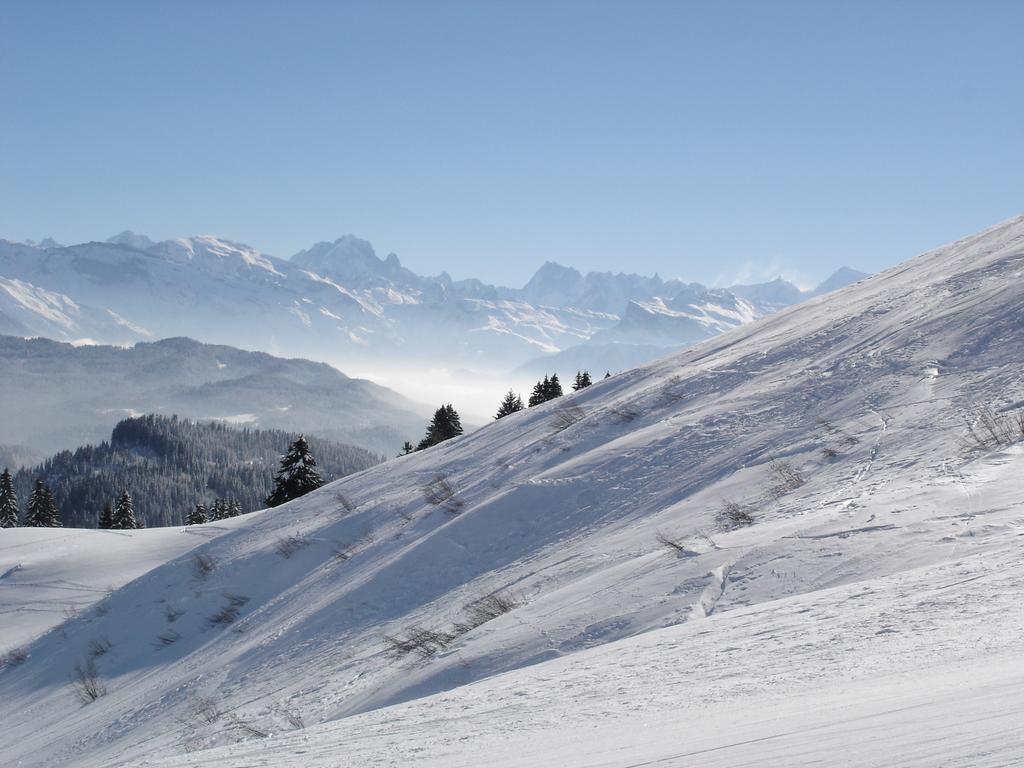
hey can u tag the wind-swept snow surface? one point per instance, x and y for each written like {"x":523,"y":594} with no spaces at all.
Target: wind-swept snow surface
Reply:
{"x":557,"y":589}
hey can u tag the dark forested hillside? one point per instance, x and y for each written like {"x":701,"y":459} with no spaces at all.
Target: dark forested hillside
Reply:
{"x":170,"y":464}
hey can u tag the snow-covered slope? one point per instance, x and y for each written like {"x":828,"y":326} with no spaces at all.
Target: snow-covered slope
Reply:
{"x":874,"y":593}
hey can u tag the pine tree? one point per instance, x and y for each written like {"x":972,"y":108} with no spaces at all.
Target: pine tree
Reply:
{"x":511,"y":404}
{"x":106,"y":521}
{"x":124,"y":513}
{"x":540,"y":392}
{"x":298,"y":474}
{"x":197,"y":516}
{"x":218,"y":510}
{"x":8,"y":501}
{"x":407,"y":448}
{"x":232,"y":508}
{"x":444,"y":425}
{"x":554,"y":387}
{"x":42,"y":511}
{"x":582,"y":380}
{"x":607,"y":374}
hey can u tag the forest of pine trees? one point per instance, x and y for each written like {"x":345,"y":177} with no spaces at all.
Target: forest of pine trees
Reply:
{"x":168,"y":465}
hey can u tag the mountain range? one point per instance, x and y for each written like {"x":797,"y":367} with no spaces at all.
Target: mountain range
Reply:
{"x":338,"y":301}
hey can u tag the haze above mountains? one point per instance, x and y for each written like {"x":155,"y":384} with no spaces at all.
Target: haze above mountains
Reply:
{"x":339,"y":302}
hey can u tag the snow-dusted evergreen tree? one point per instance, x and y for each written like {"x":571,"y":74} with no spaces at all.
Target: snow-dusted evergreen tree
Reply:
{"x":8,"y":501}
{"x":124,"y":513}
{"x":106,"y":521}
{"x":407,"y":448}
{"x":298,"y":474}
{"x":582,"y":380}
{"x":42,"y":511}
{"x":444,"y":425}
{"x":234,"y":508}
{"x":511,"y":404}
{"x":539,"y":394}
{"x":197,"y":516}
{"x":546,"y":389}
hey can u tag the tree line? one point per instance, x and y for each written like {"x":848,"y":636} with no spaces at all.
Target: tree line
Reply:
{"x":446,"y":424}
{"x":165,"y":466}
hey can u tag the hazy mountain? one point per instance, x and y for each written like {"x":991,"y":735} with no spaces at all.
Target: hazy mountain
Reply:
{"x":339,"y":301}
{"x":59,"y":396}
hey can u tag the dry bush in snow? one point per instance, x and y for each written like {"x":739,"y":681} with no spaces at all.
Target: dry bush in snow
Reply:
{"x":484,"y":609}
{"x":86,"y":682}
{"x":98,"y":646}
{"x":735,"y":515}
{"x":289,"y":545}
{"x":784,"y":478}
{"x":440,"y":492}
{"x":345,"y":503}
{"x":13,"y":658}
{"x":565,"y":416}
{"x":203,"y":565}
{"x":989,"y":428}
{"x":423,"y":642}
{"x":164,"y":639}
{"x":229,"y":613}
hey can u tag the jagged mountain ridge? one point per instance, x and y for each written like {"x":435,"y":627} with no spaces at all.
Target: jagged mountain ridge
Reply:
{"x":338,"y":301}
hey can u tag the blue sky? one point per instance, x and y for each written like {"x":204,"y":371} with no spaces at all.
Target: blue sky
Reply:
{"x":703,"y":140}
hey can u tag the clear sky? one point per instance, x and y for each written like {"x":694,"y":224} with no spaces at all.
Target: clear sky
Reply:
{"x":702,"y":140}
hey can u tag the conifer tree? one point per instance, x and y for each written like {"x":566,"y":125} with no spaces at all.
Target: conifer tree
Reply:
{"x":298,"y":474}
{"x":124,"y":513}
{"x":42,"y":511}
{"x":106,"y":521}
{"x":511,"y":404}
{"x":554,"y":387}
{"x":8,"y":501}
{"x":407,"y":448}
{"x":444,"y":425}
{"x":197,"y":516}
{"x":582,"y":380}
{"x":607,"y":374}
{"x":540,"y":392}
{"x":234,"y":508}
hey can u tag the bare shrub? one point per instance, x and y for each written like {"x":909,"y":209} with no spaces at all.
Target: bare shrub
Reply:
{"x":203,"y":565}
{"x":207,"y":709}
{"x":785,"y":478}
{"x":625,"y":413}
{"x":484,"y":609}
{"x":342,"y":552}
{"x":86,"y":682}
{"x":345,"y":503}
{"x":164,"y":639}
{"x":735,"y":515}
{"x":288,"y":546}
{"x":829,"y":453}
{"x":440,"y":492}
{"x":13,"y":658}
{"x":671,"y":544}
{"x":423,"y":642}
{"x":565,"y":416}
{"x":172,"y":614}
{"x":989,"y":428}
{"x":98,"y":646}
{"x":229,"y":613}
{"x":247,"y":728}
{"x":290,"y":715}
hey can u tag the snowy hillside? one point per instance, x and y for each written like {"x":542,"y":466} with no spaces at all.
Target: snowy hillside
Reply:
{"x":558,"y":587}
{"x":338,"y":302}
